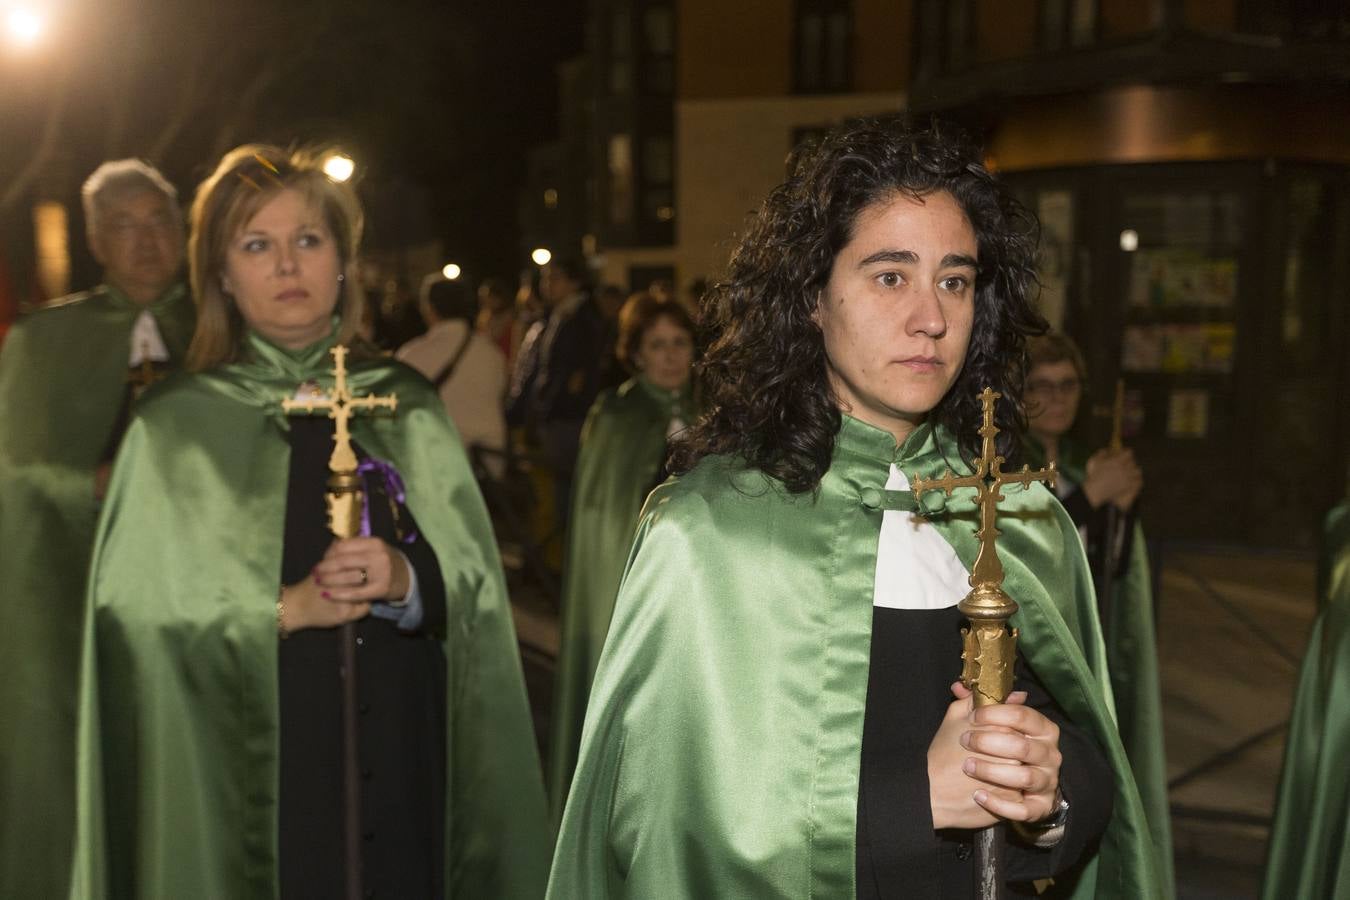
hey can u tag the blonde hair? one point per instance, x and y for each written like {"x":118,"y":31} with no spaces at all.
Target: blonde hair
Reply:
{"x":244,"y":181}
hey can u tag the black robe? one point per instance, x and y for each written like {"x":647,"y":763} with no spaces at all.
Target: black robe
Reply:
{"x":1104,"y":556}
{"x":915,"y":656}
{"x":401,"y":691}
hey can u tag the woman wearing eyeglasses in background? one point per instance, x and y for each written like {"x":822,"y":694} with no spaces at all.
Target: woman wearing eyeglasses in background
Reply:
{"x":1090,"y":486}
{"x":623,"y":456}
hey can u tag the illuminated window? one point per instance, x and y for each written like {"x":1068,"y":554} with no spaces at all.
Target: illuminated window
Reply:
{"x":620,"y":179}
{"x":51,"y":237}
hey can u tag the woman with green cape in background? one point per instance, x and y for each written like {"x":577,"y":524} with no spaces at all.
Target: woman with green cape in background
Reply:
{"x":212,"y":730}
{"x":1310,"y":840}
{"x":1093,"y":488}
{"x":623,"y":455}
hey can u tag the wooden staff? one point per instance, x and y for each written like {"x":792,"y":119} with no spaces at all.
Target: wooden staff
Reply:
{"x":345,"y":502}
{"x":1111,"y":532}
{"x":990,"y":648}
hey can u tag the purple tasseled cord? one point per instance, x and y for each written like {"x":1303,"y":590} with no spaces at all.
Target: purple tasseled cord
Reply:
{"x":393,"y":487}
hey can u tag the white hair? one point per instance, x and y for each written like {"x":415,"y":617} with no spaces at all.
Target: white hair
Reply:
{"x":123,"y":176}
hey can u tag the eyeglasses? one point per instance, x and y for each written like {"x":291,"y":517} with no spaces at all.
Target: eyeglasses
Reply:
{"x":124,"y":229}
{"x":1043,"y":388}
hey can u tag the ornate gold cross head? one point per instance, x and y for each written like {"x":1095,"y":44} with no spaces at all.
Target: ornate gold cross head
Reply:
{"x":344,"y":485}
{"x":989,"y":647}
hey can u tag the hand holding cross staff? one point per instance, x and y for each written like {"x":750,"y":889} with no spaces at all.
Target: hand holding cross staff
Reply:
{"x":1016,"y":748}
{"x":353,"y":574}
{"x":350,"y":562}
{"x":355,"y":571}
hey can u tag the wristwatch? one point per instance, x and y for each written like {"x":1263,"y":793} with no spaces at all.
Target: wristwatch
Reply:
{"x":1049,"y":831}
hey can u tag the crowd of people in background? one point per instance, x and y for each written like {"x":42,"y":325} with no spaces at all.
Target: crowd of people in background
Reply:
{"x":529,"y":363}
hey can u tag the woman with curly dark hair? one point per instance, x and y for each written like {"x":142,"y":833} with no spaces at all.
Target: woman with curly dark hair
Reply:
{"x":774,"y":714}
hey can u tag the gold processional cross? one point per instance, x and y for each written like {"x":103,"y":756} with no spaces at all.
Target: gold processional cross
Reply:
{"x":345,"y":501}
{"x":345,"y":497}
{"x":990,"y":648}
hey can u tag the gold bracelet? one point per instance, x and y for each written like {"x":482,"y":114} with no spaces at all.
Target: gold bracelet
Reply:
{"x":281,"y":613}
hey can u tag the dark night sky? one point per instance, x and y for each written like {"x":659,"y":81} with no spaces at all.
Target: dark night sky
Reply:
{"x":438,"y":101}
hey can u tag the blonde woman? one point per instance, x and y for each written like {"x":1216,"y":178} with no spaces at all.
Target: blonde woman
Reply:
{"x":211,"y":742}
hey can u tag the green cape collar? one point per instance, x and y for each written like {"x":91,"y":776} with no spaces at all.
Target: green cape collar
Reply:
{"x":266,"y":374}
{"x":119,"y":300}
{"x":264,"y":360}
{"x":927,"y":450}
{"x":680,"y":401}
{"x":856,"y":437}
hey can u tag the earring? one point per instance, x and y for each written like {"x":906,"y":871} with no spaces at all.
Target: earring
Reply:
{"x":341,"y":278}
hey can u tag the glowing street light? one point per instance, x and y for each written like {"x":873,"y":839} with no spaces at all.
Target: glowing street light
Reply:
{"x":25,"y":25}
{"x":451,"y":271}
{"x":541,"y":256}
{"x":339,"y":166}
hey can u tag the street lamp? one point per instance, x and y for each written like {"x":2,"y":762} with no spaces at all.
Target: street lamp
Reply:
{"x":339,"y":166}
{"x":541,"y":256}
{"x":24,"y":25}
{"x":451,"y":271}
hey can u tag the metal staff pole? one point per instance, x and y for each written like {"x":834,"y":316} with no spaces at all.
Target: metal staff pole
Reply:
{"x":1114,"y":519}
{"x":345,"y":501}
{"x":989,"y":647}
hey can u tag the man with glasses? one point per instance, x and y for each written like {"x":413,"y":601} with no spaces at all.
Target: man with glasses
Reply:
{"x":69,"y":372}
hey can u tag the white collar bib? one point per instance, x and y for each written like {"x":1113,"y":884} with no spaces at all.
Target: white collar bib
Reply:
{"x":916,"y":567}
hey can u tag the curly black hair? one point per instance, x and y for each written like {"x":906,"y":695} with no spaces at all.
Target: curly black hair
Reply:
{"x":765,"y":373}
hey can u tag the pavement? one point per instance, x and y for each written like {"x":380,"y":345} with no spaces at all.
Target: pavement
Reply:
{"x":1231,"y":632}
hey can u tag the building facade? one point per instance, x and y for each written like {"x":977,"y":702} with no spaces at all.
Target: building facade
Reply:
{"x":1190,"y":167}
{"x":1188,"y":161}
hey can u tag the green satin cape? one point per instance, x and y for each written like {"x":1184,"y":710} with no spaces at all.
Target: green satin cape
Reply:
{"x":178,"y":735}
{"x":622,"y":446}
{"x":1132,"y":657}
{"x":721,"y":749}
{"x":63,"y":371}
{"x":1309,"y":853}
